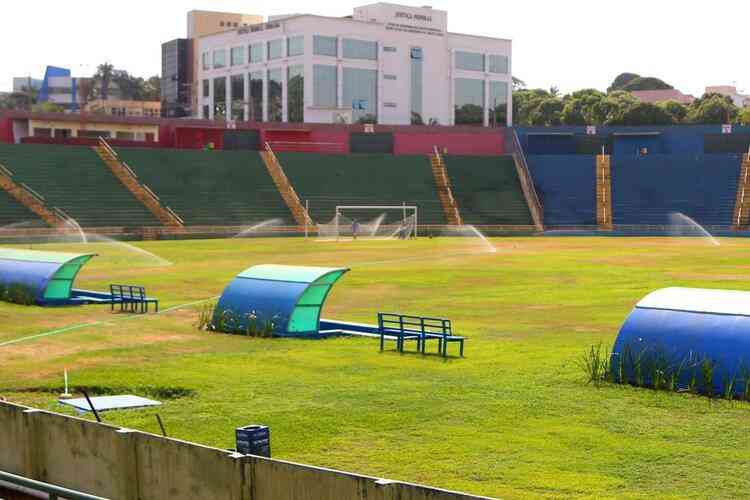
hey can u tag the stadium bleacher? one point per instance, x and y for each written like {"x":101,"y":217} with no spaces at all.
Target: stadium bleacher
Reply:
{"x":13,"y":212}
{"x":566,"y":185}
{"x":210,"y":188}
{"x":363,"y":179}
{"x":75,"y":179}
{"x":647,"y":189}
{"x":488,"y":191}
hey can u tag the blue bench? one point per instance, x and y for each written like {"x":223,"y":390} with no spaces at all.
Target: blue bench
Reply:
{"x":131,"y":298}
{"x":402,"y":328}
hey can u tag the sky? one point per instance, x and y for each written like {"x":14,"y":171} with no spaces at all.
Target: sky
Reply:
{"x":570,"y":44}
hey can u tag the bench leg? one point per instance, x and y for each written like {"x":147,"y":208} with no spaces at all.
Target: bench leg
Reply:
{"x":156,"y":304}
{"x":462,"y":348}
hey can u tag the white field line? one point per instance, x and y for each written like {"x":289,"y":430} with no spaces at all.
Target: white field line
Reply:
{"x":98,"y":323}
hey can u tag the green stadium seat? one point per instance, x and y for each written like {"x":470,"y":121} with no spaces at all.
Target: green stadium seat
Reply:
{"x":210,"y":188}
{"x":488,"y":191}
{"x":363,"y":179}
{"x":13,"y":212}
{"x":76,"y":180}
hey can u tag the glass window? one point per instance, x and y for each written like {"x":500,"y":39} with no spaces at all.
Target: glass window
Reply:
{"x":389,"y":77}
{"x":256,"y":96}
{"x":274,"y":49}
{"x":256,"y":52}
{"x":360,"y":49}
{"x":274,"y":95}
{"x":206,"y":61}
{"x":498,"y":104}
{"x":220,"y":58}
{"x":238,"y":97}
{"x":416,"y":86}
{"x":237,"y":56}
{"x":220,"y":98}
{"x":471,"y":61}
{"x":499,"y":64}
{"x":361,"y":93}
{"x":387,"y":48}
{"x":295,"y":93}
{"x":325,"y":45}
{"x":206,"y":88}
{"x":325,"y":86}
{"x":469,"y":101}
{"x":206,"y":111}
{"x":295,"y":46}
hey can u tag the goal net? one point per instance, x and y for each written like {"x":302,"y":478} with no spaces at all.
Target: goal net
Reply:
{"x":371,"y":222}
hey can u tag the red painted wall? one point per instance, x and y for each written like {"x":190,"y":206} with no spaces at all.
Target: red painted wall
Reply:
{"x":198,"y":138}
{"x":6,"y":130}
{"x":480,"y":143}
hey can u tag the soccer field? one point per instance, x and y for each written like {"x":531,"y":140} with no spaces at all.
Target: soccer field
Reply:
{"x":513,"y":419}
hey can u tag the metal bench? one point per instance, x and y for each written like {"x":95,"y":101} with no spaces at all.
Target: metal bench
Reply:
{"x":131,"y":298}
{"x":403,"y":328}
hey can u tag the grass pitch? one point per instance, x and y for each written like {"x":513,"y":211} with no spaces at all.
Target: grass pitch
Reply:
{"x":513,"y":419}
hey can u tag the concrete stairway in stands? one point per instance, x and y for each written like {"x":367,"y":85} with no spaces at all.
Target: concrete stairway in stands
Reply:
{"x":29,"y":199}
{"x":443,"y":187}
{"x":604,"y":192}
{"x":741,"y":218}
{"x":140,"y":191}
{"x":301,"y":217}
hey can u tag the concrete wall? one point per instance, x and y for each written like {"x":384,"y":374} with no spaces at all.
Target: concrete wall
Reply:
{"x":122,"y":464}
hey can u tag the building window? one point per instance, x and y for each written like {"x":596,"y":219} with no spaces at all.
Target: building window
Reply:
{"x":498,"y":104}
{"x":42,"y":132}
{"x":389,"y":105}
{"x":238,"y":97}
{"x":361,"y":93}
{"x":256,"y":96}
{"x":295,"y":46}
{"x":274,"y":95}
{"x":206,"y":61}
{"x":387,"y":48}
{"x":221,"y":23}
{"x":274,"y":49}
{"x":470,"y":61}
{"x":416,"y":86}
{"x":325,"y":45}
{"x":206,"y":88}
{"x":295,"y":93}
{"x":325,"y":86}
{"x":469,"y":101}
{"x":256,"y":52}
{"x":360,"y":49}
{"x":389,"y":77}
{"x":220,"y":98}
{"x":220,"y":58}
{"x":499,"y":64}
{"x":237,"y":56}
{"x":206,"y":112}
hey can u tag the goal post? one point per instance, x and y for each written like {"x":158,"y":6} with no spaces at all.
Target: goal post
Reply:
{"x":347,"y":217}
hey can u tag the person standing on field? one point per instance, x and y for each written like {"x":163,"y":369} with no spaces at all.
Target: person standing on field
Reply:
{"x":355,"y":228}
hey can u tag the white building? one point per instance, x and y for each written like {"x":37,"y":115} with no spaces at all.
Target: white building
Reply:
{"x":391,"y":63}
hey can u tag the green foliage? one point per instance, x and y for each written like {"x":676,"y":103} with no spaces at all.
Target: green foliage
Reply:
{"x":743,"y":116}
{"x":645,"y":113}
{"x":646,"y":83}
{"x":712,"y":109}
{"x":47,"y":107}
{"x":676,"y":110}
{"x":621,"y":80}
{"x":469,"y":114}
{"x":595,"y":364}
{"x":17,"y":293}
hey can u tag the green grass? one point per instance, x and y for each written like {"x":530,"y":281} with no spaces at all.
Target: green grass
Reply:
{"x":514,"y":419}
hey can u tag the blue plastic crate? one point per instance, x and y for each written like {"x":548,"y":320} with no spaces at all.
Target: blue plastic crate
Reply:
{"x":254,"y":440}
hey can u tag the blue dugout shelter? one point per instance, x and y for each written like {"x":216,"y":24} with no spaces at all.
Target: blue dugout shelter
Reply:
{"x":289,"y":296}
{"x":47,"y":276}
{"x":679,"y":330}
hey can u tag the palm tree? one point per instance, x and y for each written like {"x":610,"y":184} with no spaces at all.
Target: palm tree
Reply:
{"x":103,"y":79}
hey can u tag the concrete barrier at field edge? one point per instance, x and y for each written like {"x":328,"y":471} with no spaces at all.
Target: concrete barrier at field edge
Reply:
{"x":122,"y":464}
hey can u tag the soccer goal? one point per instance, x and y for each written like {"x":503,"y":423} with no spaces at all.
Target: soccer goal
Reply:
{"x":371,"y":222}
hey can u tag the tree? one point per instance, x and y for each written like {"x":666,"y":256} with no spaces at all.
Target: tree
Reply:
{"x":518,"y":84}
{"x":547,"y":113}
{"x":645,"y":113}
{"x":152,"y":89}
{"x":583,"y":107}
{"x":525,"y":103}
{"x":712,"y":109}
{"x":614,"y":107}
{"x":469,"y":114}
{"x":646,"y":83}
{"x":102,"y":81}
{"x":743,"y":116}
{"x":622,"y":80}
{"x":677,"y":110}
